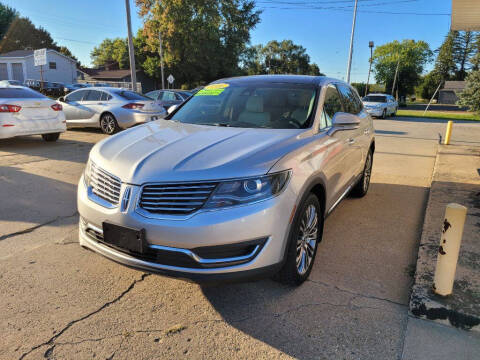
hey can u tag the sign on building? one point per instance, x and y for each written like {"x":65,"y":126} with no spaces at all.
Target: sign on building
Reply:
{"x":40,"y":57}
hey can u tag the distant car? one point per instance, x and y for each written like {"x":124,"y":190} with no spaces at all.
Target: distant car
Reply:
{"x":72,"y":87}
{"x":380,"y":105}
{"x":32,"y":84}
{"x":24,"y":111}
{"x":109,"y":109}
{"x":168,"y":98}
{"x":101,"y":85}
{"x":6,"y":83}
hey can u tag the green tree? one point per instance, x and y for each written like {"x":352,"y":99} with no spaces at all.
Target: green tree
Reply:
{"x":7,"y":15}
{"x":429,"y":85}
{"x":111,"y":52}
{"x":409,"y":55}
{"x":445,"y":66}
{"x":475,"y":59}
{"x":202,"y":40}
{"x":284,"y":57}
{"x":22,"y":34}
{"x":463,"y":49}
{"x":471,"y":95}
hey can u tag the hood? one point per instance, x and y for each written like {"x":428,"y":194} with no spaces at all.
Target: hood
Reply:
{"x":164,"y":151}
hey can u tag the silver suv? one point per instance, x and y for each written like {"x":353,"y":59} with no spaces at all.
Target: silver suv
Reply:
{"x":234,"y":183}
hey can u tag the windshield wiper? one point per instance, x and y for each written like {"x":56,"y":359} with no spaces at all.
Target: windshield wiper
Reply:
{"x":215,"y":124}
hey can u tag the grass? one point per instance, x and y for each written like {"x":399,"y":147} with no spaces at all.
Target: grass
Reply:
{"x":448,"y":115}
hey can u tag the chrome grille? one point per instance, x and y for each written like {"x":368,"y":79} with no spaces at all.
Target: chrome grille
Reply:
{"x":175,"y":198}
{"x":105,"y":185}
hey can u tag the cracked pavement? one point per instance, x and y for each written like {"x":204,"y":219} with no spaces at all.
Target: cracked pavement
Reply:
{"x":59,"y":301}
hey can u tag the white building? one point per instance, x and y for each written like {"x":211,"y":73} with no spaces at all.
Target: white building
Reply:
{"x":19,"y":65}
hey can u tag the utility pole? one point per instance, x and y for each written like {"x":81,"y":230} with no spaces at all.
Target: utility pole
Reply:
{"x":349,"y":67}
{"x":161,"y":52}
{"x":131,"y":51}
{"x":370,"y":45}
{"x":395,"y":78}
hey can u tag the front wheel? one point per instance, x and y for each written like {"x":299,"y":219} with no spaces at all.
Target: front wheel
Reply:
{"x":361,"y":188}
{"x":302,"y":245}
{"x":51,"y":137}
{"x":384,"y":114}
{"x":109,"y":124}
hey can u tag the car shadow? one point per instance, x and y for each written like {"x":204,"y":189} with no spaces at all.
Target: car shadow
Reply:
{"x":357,"y":292}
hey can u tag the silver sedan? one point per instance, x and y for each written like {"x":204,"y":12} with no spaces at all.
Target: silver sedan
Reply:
{"x":109,"y":109}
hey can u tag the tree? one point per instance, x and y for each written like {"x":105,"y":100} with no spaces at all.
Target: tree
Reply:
{"x":471,"y":95}
{"x":111,"y":52}
{"x":202,"y":40}
{"x":409,"y":55}
{"x":475,"y":59}
{"x":7,"y":15}
{"x":445,"y":66}
{"x":275,"y":57}
{"x":22,"y":34}
{"x":463,"y":48}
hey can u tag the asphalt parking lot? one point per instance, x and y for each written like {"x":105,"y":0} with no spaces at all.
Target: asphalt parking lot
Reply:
{"x":60,"y":301}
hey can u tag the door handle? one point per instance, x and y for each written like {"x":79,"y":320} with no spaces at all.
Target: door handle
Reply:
{"x":100,"y":103}
{"x":366,"y":131}
{"x":351,"y":141}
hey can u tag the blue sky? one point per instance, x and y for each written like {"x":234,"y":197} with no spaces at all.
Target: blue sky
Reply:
{"x":321,"y":26}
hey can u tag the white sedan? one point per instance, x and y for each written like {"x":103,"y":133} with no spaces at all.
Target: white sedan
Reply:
{"x":380,"y":105}
{"x":24,"y":111}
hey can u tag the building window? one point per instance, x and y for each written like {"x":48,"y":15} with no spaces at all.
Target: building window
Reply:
{"x":52,"y":65}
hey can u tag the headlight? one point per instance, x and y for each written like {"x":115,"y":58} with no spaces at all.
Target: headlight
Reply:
{"x":87,"y":173}
{"x":244,"y":191}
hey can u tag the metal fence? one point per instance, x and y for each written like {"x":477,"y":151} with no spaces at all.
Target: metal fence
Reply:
{"x":117,"y":84}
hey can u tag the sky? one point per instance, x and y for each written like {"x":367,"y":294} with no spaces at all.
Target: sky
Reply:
{"x":323,"y":27}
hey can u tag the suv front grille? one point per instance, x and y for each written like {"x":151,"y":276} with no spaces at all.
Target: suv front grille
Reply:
{"x":175,"y":198}
{"x":105,"y":185}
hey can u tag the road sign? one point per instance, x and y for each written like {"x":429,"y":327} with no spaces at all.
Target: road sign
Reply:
{"x":170,"y":79}
{"x":40,"y":57}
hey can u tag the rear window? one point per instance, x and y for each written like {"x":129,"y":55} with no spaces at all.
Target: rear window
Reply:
{"x":20,"y":93}
{"x":131,"y":95}
{"x":378,"y":99}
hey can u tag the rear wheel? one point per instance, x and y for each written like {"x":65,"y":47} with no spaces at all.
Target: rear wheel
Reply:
{"x":361,"y":188}
{"x":109,"y":124}
{"x":51,"y":137}
{"x":302,"y":245}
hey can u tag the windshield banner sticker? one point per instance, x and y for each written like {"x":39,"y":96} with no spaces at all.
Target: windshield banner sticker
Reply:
{"x":212,"y":90}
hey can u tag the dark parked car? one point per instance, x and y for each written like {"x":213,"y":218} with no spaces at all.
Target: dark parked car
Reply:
{"x":168,"y":98}
{"x":72,"y":87}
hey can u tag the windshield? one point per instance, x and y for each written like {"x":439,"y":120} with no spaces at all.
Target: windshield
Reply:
{"x":378,"y":99}
{"x":251,"y":105}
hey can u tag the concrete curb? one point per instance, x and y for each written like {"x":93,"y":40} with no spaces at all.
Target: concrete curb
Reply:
{"x":462,"y":308}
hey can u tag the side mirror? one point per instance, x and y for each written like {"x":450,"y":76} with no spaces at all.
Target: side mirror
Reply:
{"x":61,"y":99}
{"x":172,"y":109}
{"x":344,"y":121}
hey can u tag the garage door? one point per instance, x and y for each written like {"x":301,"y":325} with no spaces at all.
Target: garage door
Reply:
{"x":17,"y":70}
{"x":3,"y":71}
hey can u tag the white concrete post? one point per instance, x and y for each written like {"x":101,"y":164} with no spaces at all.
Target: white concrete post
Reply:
{"x":449,"y":249}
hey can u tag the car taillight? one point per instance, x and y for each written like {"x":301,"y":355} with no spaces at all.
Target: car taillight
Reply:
{"x":56,"y":107}
{"x":10,"y":108}
{"x":133,"y":106}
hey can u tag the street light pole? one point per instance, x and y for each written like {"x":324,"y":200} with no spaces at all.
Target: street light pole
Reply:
{"x":131,"y":51}
{"x":161,"y":52}
{"x":370,"y":45}
{"x":349,"y":67}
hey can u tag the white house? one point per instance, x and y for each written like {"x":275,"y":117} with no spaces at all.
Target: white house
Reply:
{"x":19,"y":65}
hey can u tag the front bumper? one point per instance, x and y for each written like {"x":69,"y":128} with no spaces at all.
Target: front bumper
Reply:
{"x":266,"y":223}
{"x":375,"y":111}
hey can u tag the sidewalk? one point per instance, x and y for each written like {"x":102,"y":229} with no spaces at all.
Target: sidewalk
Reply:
{"x":456,"y":178}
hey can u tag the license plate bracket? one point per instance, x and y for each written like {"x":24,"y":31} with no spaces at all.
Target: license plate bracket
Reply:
{"x":123,"y":237}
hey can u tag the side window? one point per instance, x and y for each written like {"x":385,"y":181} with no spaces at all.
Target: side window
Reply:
{"x":331,"y":106}
{"x":105,"y":97}
{"x":350,"y":102}
{"x":93,"y":95}
{"x":76,"y":96}
{"x":168,"y":96}
{"x":179,"y":97}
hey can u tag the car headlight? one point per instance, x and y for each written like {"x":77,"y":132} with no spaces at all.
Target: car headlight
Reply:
{"x":87,"y":173}
{"x":244,"y":191}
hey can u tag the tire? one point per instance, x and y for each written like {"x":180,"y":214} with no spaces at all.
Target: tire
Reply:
{"x":361,"y":188}
{"x":384,"y":114}
{"x":395,"y":112}
{"x":108,"y":124}
{"x":51,"y":137}
{"x":302,"y":243}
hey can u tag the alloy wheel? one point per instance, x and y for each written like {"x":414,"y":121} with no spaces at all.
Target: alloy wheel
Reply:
{"x":108,"y":124}
{"x":367,"y":172}
{"x":307,"y":239}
